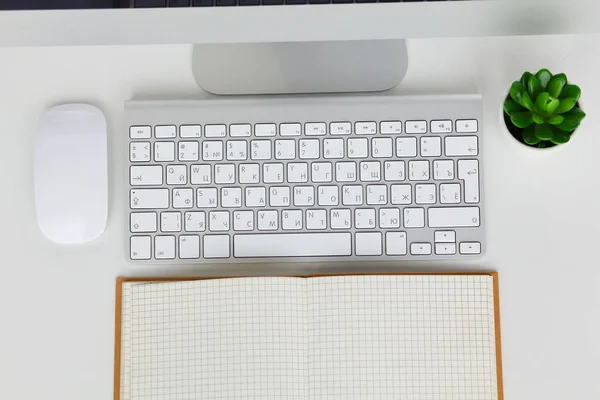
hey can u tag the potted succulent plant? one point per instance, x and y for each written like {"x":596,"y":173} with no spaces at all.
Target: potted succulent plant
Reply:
{"x":542,"y":110}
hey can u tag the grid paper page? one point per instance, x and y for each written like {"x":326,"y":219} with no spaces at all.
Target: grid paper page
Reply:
{"x":402,"y":337}
{"x":219,"y":339}
{"x":125,"y":341}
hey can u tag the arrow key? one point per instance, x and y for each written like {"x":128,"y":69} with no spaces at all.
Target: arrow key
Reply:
{"x":445,"y":248}
{"x":445,"y":236}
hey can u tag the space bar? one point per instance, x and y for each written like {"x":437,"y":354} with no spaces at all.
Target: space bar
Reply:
{"x":292,"y":244}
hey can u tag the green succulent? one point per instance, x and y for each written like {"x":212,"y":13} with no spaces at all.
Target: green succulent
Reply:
{"x":544,"y":108}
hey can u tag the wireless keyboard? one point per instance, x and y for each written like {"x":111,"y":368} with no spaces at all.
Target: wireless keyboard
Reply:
{"x":305,"y":178}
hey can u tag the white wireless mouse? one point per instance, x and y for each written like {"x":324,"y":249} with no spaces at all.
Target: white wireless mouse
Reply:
{"x":70,"y":173}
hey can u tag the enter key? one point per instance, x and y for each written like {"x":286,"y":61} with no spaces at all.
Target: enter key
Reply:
{"x":468,"y":170}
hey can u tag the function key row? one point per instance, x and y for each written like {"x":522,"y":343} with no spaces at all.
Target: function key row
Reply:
{"x":310,"y":129}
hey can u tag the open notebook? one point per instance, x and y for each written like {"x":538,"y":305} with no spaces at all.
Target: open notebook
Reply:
{"x":413,"y":336}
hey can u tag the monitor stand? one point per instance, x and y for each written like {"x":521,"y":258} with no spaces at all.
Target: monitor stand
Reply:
{"x":300,"y":67}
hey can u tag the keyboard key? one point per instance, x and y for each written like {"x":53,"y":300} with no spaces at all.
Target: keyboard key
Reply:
{"x":333,"y":148}
{"x":164,"y":247}
{"x":176,"y":174}
{"x":310,"y":149}
{"x":358,"y":148}
{"x":395,"y":243}
{"x":468,"y":170}
{"x":345,"y":171}
{"x":441,"y":126}
{"x":215,"y":131}
{"x":461,"y":146}
{"x":431,"y":146}
{"x":291,"y":220}
{"x":216,"y":246}
{"x":466,"y":126}
{"x":285,"y":149}
{"x":206,"y":198}
{"x":225,"y":173}
{"x":315,"y":129}
{"x":212,"y":151}
{"x":406,"y":147}
{"x":149,"y":198}
{"x":188,"y":151}
{"x":265,"y":130}
{"x":414,"y":217}
{"x":445,"y":236}
{"x":142,"y":222}
{"x":272,"y":2}
{"x":377,"y":194}
{"x":202,"y":3}
{"x":364,"y":218}
{"x":257,"y":196}
{"x":425,"y":194}
{"x":249,"y":173}
{"x":445,"y":248}
{"x":243,"y":220}
{"x":290,"y":129}
{"x":394,"y":171}
{"x":260,"y":150}
{"x":183,"y":198}
{"x":453,"y":217}
{"x":145,"y":175}
{"x":226,"y":3}
{"x":267,"y":221}
{"x":240,"y":130}
{"x":195,"y":221}
{"x":237,"y":150}
{"x":340,"y":128}
{"x":164,"y":151}
{"x":279,"y":196}
{"x":273,"y":173}
{"x":231,"y":197}
{"x":416,"y":127}
{"x":292,"y":245}
{"x":201,"y":174}
{"x":370,"y":171}
{"x":368,"y":244}
{"x":295,"y":1}
{"x":389,"y":218}
{"x":321,"y":172}
{"x":470,"y":248}
{"x":316,"y":219}
{"x":418,"y":170}
{"x":401,"y":194}
{"x":382,"y":147}
{"x":189,"y":246}
{"x":140,"y":247}
{"x":328,"y":196}
{"x":297,"y":172}
{"x":443,"y":170}
{"x":420,"y":249}
{"x":352,"y":195}
{"x":450,"y":193}
{"x":170,"y":222}
{"x":140,"y":132}
{"x":304,"y":196}
{"x":218,"y":221}
{"x":190,"y":131}
{"x":341,"y":218}
{"x":365,"y":128}
{"x":165,"y":131}
{"x":139,"y":152}
{"x":390,"y":127}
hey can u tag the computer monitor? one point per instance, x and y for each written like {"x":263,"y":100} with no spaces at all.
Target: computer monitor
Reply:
{"x":292,"y":48}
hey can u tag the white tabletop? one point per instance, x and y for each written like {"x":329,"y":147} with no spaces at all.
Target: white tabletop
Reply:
{"x":57,"y":302}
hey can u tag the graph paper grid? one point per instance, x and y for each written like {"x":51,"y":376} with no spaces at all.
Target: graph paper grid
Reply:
{"x":402,"y":337}
{"x":405,"y":337}
{"x":219,"y":339}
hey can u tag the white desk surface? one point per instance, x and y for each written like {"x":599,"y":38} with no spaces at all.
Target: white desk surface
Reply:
{"x":543,"y":221}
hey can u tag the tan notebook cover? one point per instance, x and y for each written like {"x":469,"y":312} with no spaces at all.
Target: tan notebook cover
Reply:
{"x":119,"y":303}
